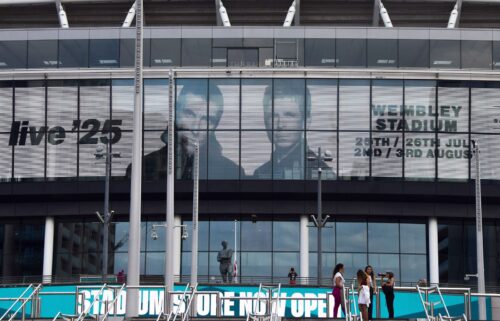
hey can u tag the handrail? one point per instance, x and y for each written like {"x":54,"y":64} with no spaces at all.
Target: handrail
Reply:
{"x":25,"y":301}
{"x":96,"y":299}
{"x":105,"y":316}
{"x":178,"y":307}
{"x":186,"y":311}
{"x":15,"y":302}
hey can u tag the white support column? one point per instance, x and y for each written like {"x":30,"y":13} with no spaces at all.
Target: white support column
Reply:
{"x":48,"y":249}
{"x":177,"y":247}
{"x":433,"y":251}
{"x":304,"y":248}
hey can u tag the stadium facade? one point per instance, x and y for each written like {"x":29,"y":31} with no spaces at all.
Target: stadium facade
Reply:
{"x":396,"y":108}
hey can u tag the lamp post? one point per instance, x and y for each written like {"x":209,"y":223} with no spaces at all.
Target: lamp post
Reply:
{"x":319,"y":220}
{"x":481,"y":288}
{"x":105,"y":218}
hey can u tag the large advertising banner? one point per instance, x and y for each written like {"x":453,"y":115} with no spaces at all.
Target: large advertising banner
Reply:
{"x":252,"y":128}
{"x":225,"y":300}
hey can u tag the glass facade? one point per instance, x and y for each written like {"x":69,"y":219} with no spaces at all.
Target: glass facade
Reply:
{"x":254,"y":129}
{"x":253,"y":52}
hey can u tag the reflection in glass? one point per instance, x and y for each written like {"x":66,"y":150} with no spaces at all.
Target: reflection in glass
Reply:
{"x":256,"y":264}
{"x":42,"y":54}
{"x":104,"y":53}
{"x":445,"y":53}
{"x":155,"y":263}
{"x":222,"y":231}
{"x":413,"y":238}
{"x":282,"y":262}
{"x":73,"y":53}
{"x":383,"y":237}
{"x":328,"y":261}
{"x":202,"y":264}
{"x":352,"y":263}
{"x":203,"y":241}
{"x":285,"y":235}
{"x":414,"y":53}
{"x":351,"y":237}
{"x":156,"y":242}
{"x":256,"y":236}
{"x":327,"y":237}
{"x":383,"y":263}
{"x":413,"y":268}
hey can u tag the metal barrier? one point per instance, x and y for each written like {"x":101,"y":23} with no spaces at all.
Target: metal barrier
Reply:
{"x":424,"y":295}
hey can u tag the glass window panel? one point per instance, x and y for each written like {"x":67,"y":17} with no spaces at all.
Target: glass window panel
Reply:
{"x":288,"y":155}
{"x":485,"y":111}
{"x":5,"y":160}
{"x":219,"y":57}
{"x":119,"y":236}
{"x":321,"y":104}
{"x":121,"y":263}
{"x":104,"y":53}
{"x":224,"y":103}
{"x":413,"y":268}
{"x":445,"y":53}
{"x":202,"y":264}
{"x":91,"y":238}
{"x":383,"y":238}
{"x":223,"y":155}
{"x":476,"y":54}
{"x":127,"y":53}
{"x":282,"y":262}
{"x":73,"y":53}
{"x":412,"y":238}
{"x":62,"y":104}
{"x":490,"y":157}
{"x":42,"y":54}
{"x":256,"y":95}
{"x":420,"y":160}
{"x":387,"y":118}
{"x":68,"y":264}
{"x":30,"y":103}
{"x":88,"y":166}
{"x":382,"y":53}
{"x":256,"y":154}
{"x":354,"y":105}
{"x":91,"y":264}
{"x":287,"y":49}
{"x":155,"y":263}
{"x":124,"y":148}
{"x":289,"y":106}
{"x":453,"y":158}
{"x":285,"y":235}
{"x":94,"y":103}
{"x":256,"y":264}
{"x":154,"y":163}
{"x":196,"y":52}
{"x":223,"y":231}
{"x":156,"y":243}
{"x":351,"y":237}
{"x":354,"y":154}
{"x":185,"y":154}
{"x":453,"y":108}
{"x":203,"y":240}
{"x":165,"y":52}
{"x":191,"y":104}
{"x":320,"y":52}
{"x":414,"y":53}
{"x":155,"y":104}
{"x":328,"y":143}
{"x":351,"y":52}
{"x":420,"y":105}
{"x":122,"y":104}
{"x":13,"y":54}
{"x":62,"y":157}
{"x":243,"y":57}
{"x":5,"y":106}
{"x":328,"y":262}
{"x":496,"y":54}
{"x":383,"y":263}
{"x":352,"y":263}
{"x":266,"y":57}
{"x":327,"y":238}
{"x":256,"y":236}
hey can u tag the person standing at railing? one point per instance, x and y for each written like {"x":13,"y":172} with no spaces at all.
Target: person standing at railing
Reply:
{"x":338,"y":289}
{"x":363,"y":294}
{"x":372,"y":283}
{"x":388,"y":289}
{"x":292,"y":275}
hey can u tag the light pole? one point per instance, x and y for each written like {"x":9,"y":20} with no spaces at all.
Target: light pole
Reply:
{"x":105,"y":218}
{"x":481,"y":288}
{"x":194,"y":240}
{"x":319,"y":220}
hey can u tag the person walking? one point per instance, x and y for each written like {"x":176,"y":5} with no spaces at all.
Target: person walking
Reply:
{"x":338,"y":289}
{"x":292,"y":275}
{"x":388,"y":289}
{"x":372,"y":283}
{"x":363,"y":294}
